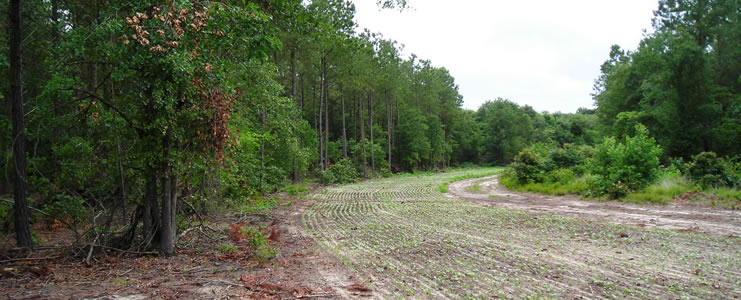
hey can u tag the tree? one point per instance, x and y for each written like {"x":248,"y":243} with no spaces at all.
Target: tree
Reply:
{"x":22,"y":231}
{"x":507,"y":127}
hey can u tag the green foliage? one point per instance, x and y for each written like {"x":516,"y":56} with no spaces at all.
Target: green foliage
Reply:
{"x":681,"y":82}
{"x":296,"y":190}
{"x":576,"y":186}
{"x":562,"y":176}
{"x":663,"y":192}
{"x":528,"y":167}
{"x":341,"y":172}
{"x":67,"y":207}
{"x":508,"y":129}
{"x":619,"y":168}
{"x":225,"y":248}
{"x":254,"y":236}
{"x":709,"y":170}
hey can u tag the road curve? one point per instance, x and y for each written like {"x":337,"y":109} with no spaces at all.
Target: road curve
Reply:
{"x":673,"y":216}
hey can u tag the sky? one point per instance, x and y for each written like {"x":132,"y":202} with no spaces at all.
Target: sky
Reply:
{"x":541,"y":53}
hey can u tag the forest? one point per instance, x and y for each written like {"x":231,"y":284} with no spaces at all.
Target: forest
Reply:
{"x":122,"y":119}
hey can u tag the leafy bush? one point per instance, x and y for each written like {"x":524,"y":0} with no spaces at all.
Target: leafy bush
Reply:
{"x":619,"y":168}
{"x":67,"y":207}
{"x":225,"y":248}
{"x":562,"y":176}
{"x":341,"y":172}
{"x":709,"y":170}
{"x":254,"y":237}
{"x":528,"y":167}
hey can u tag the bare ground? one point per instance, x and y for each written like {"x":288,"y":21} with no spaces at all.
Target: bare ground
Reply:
{"x":677,"y":215}
{"x":302,"y":270}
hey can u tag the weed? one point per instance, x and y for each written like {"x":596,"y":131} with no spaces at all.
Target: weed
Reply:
{"x":227,"y":248}
{"x":122,"y":281}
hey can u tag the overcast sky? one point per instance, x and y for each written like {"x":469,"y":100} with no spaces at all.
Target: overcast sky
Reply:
{"x":542,"y":53}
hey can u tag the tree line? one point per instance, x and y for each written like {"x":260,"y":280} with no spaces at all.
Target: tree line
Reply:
{"x":142,"y":112}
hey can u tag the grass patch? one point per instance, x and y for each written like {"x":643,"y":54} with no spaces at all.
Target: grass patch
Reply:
{"x":296,"y":190}
{"x":575,"y":187}
{"x":258,"y":205}
{"x":662,"y":192}
{"x":718,"y":197}
{"x":494,"y":171}
{"x":474,"y":188}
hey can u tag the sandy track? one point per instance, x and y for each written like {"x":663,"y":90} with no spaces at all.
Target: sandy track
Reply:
{"x":404,"y":239}
{"x":673,"y":216}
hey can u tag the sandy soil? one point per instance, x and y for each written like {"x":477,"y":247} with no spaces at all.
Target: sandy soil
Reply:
{"x":680,"y":216}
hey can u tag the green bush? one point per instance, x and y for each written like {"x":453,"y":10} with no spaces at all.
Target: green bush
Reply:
{"x":620,"y":168}
{"x":67,"y":207}
{"x":341,"y":172}
{"x":528,"y":167}
{"x":562,"y":176}
{"x":709,"y":170}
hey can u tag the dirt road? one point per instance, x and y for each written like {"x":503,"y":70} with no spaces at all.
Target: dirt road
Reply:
{"x":404,"y":239}
{"x":683,"y":217}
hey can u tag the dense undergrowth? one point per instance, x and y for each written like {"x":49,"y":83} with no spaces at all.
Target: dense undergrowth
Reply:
{"x":628,"y":170}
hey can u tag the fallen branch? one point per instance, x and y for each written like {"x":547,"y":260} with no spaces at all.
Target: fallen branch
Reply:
{"x":29,"y":259}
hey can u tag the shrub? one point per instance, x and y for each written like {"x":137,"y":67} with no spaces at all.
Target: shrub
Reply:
{"x":67,"y":207}
{"x":528,"y":167}
{"x":227,"y":248}
{"x":341,"y":172}
{"x":619,"y":168}
{"x":709,"y":170}
{"x":562,"y":176}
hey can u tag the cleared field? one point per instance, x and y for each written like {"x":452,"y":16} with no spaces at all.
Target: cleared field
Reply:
{"x":404,"y":238}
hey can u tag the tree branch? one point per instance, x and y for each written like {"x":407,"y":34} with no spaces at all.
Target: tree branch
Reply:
{"x":111,"y":106}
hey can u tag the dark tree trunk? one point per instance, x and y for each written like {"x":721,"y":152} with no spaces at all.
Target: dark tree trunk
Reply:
{"x":326,"y":113}
{"x":169,"y":199}
{"x":370,"y":122}
{"x":151,"y":214}
{"x":22,"y":231}
{"x":321,"y":120}
{"x":354,"y":117}
{"x":344,"y":129}
{"x":263,"y":116}
{"x":362,"y":139}
{"x":293,"y":74}
{"x":301,"y":86}
{"x":389,"y":121}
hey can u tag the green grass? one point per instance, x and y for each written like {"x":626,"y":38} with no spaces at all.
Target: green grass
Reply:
{"x":474,"y":188}
{"x":444,"y":187}
{"x":662,"y":192}
{"x":575,"y":187}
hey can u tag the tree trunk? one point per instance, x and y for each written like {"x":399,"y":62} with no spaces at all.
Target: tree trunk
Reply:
{"x":389,"y":121}
{"x":301,"y":85}
{"x":362,"y":139}
{"x":22,"y":231}
{"x":326,"y":112}
{"x":169,"y":197}
{"x":263,"y":113}
{"x":370,"y":122}
{"x":293,"y":74}
{"x":321,"y":119}
{"x":344,"y":130}
{"x":151,"y":213}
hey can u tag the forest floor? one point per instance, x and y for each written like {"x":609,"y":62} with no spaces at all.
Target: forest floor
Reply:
{"x":200,"y":270}
{"x":400,"y":237}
